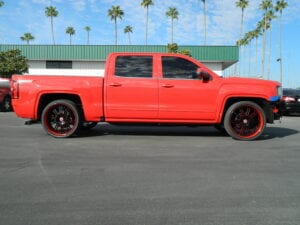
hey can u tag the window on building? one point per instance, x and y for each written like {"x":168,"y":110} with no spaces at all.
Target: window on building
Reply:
{"x":58,"y":64}
{"x":134,"y":66}
{"x":178,"y":68}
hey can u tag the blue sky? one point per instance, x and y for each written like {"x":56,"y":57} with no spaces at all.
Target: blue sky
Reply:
{"x":223,"y":22}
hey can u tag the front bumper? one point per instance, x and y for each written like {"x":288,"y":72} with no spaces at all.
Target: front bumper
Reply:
{"x":273,"y":111}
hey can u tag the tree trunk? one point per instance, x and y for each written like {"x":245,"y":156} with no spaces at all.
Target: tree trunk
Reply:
{"x":116,"y":32}
{"x":172,"y":32}
{"x":52,"y":30}
{"x":147,"y":27}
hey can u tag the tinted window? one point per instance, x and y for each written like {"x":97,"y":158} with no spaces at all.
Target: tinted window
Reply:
{"x":174,"y":67}
{"x":59,"y":64}
{"x":134,"y":66}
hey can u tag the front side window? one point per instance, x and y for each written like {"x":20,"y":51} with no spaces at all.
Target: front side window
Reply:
{"x":134,"y":66}
{"x":178,"y":68}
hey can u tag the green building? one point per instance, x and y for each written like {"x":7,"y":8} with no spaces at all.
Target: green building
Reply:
{"x":90,"y":59}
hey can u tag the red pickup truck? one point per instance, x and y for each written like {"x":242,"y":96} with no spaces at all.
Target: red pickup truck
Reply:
{"x":158,"y":88}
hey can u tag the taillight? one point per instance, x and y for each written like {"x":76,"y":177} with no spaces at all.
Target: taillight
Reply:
{"x":288,"y":99}
{"x":14,"y":88}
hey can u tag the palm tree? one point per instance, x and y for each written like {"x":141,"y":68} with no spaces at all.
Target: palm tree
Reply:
{"x":241,"y":4}
{"x":27,"y":37}
{"x":88,"y":29}
{"x":70,"y":31}
{"x":249,"y":36}
{"x":173,"y":14}
{"x":51,"y":12}
{"x":172,"y":48}
{"x":265,"y":6}
{"x":242,"y":43}
{"x":128,"y":30}
{"x":256,"y":34}
{"x":146,"y":4}
{"x":245,"y":42}
{"x":115,"y":12}
{"x":270,"y":16}
{"x":280,"y":5}
{"x":204,"y":17}
{"x":1,"y":3}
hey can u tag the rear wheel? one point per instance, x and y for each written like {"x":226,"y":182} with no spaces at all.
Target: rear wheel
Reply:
{"x":6,"y":104}
{"x":61,"y":118}
{"x":245,"y":120}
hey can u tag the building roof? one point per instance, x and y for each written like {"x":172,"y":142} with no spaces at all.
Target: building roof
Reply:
{"x":227,"y":55}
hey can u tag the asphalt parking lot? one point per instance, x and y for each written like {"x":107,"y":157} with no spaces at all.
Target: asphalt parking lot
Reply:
{"x":120,"y":175}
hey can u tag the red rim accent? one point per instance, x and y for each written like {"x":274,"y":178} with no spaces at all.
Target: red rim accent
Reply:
{"x":246,"y":121}
{"x":60,"y":120}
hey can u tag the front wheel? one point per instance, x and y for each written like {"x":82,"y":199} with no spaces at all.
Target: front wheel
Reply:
{"x":61,"y":118}
{"x":245,"y":120}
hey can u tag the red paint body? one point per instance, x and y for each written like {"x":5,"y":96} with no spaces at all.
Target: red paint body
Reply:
{"x":125,"y":99}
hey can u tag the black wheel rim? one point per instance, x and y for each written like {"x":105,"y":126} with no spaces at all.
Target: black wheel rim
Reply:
{"x":246,"y":121}
{"x":60,"y":120}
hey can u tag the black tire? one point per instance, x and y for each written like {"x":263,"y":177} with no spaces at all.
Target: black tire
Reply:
{"x":6,"y":104}
{"x":245,"y":121}
{"x":61,"y":118}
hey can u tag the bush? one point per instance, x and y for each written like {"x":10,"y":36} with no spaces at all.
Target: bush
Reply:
{"x":12,"y":62}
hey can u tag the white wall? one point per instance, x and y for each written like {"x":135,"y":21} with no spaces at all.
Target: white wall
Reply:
{"x":87,"y":68}
{"x":215,"y":66}
{"x":90,"y":68}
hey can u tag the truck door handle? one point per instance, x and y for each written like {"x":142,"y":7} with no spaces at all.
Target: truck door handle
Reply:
{"x":167,"y":85}
{"x":115,"y":84}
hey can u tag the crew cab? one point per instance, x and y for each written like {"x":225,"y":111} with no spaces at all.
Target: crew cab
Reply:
{"x":5,"y":99}
{"x":156,"y":88}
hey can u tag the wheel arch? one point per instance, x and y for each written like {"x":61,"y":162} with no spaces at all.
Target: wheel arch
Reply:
{"x":259,"y":101}
{"x":45,"y":99}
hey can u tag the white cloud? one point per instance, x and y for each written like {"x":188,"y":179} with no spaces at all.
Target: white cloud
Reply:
{"x":46,"y":2}
{"x":79,"y":5}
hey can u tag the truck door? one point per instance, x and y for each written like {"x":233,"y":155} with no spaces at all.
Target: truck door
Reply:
{"x":183,"y":96}
{"x":132,"y":91}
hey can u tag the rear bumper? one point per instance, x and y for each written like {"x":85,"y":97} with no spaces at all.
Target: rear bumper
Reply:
{"x":22,"y":109}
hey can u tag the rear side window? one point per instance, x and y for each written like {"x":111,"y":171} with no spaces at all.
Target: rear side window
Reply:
{"x":134,"y":66}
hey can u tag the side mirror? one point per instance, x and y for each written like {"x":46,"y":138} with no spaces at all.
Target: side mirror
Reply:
{"x":203,"y":75}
